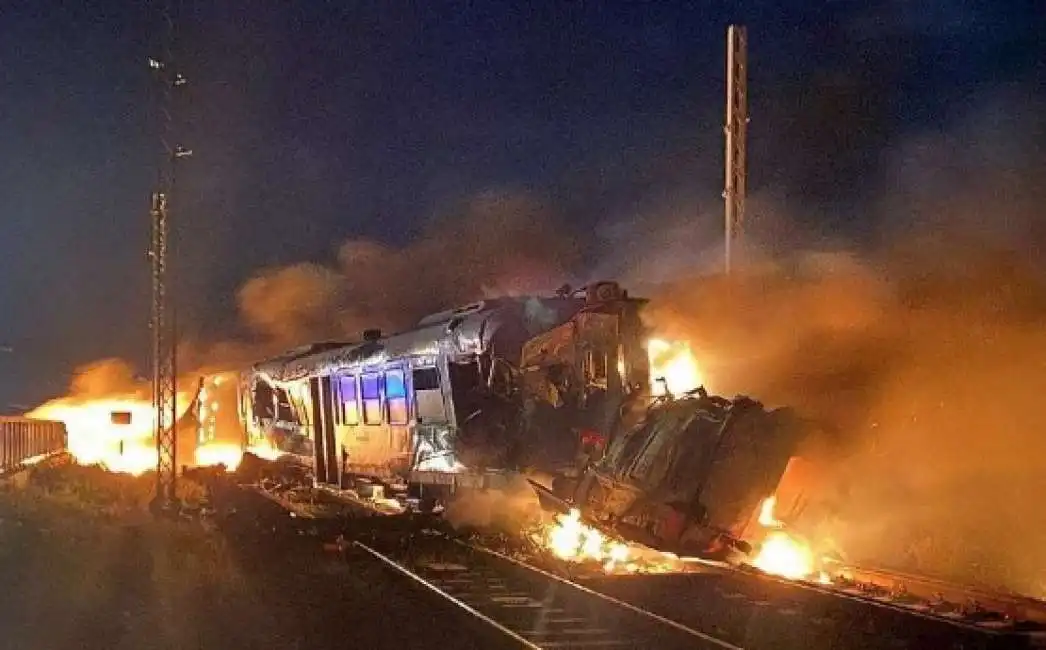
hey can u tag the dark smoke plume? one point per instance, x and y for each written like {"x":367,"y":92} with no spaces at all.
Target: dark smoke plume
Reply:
{"x":501,"y":244}
{"x":927,"y":356}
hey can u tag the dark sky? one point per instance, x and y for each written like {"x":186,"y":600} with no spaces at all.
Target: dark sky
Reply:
{"x":316,"y":122}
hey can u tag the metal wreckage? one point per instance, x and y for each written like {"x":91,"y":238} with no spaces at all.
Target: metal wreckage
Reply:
{"x":556,"y":385}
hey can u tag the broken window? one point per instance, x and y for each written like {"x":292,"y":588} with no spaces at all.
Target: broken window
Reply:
{"x":596,"y":368}
{"x":284,"y":410}
{"x":426,"y":379}
{"x":652,"y":463}
{"x":428,"y":398}
{"x":263,"y":401}
{"x":396,"y":397}
{"x":370,"y":386}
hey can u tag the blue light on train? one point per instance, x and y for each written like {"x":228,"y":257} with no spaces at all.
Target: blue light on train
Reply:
{"x":369,"y":385}
{"x":394,"y":387}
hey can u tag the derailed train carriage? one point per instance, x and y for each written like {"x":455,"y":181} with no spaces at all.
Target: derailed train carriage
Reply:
{"x":468,"y":392}
{"x":690,"y":475}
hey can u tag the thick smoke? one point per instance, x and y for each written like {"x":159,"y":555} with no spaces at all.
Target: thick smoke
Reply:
{"x":511,"y":508}
{"x":501,"y":244}
{"x":926,"y":356}
{"x":930,"y":371}
{"x":105,"y":378}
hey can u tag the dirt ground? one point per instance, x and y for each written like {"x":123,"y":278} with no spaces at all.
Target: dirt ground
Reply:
{"x":87,"y":567}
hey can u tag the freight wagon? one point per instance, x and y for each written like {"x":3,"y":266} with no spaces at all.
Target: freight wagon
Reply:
{"x":24,"y":440}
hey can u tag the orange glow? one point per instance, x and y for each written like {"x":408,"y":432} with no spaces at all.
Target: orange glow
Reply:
{"x":784,"y":555}
{"x":219,"y":453}
{"x":95,"y":440}
{"x":780,"y":552}
{"x":766,"y":513}
{"x":570,"y":539}
{"x":675,"y":363}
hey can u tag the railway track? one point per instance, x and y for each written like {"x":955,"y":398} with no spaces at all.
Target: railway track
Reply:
{"x":534,"y":608}
{"x":712,"y":607}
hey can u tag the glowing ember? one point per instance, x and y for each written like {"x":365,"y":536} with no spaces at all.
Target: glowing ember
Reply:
{"x":570,"y":539}
{"x":265,"y":450}
{"x":219,"y":453}
{"x":675,"y":363}
{"x":783,"y":555}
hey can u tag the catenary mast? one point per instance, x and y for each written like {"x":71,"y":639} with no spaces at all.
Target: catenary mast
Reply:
{"x":736,"y":131}
{"x":163,"y":325}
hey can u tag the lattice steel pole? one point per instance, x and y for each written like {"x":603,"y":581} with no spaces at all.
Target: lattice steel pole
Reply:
{"x":736,"y":130}
{"x":162,"y":322}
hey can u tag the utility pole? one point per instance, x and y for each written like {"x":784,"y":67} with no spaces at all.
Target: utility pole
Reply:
{"x":736,"y":131}
{"x":162,"y":321}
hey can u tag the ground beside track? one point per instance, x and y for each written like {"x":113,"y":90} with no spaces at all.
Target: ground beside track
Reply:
{"x":88,"y":568}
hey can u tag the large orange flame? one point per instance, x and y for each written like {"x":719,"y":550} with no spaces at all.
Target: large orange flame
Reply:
{"x":674,"y":362}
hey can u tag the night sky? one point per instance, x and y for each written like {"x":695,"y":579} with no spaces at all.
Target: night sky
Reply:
{"x":317,"y":122}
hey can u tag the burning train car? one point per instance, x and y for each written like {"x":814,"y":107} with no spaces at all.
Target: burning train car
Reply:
{"x":689,"y":475}
{"x":560,"y":384}
{"x":492,"y":385}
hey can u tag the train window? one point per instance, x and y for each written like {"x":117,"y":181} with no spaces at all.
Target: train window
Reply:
{"x":371,"y":389}
{"x":596,"y":366}
{"x":396,"y":397}
{"x":428,"y":400}
{"x":284,"y":410}
{"x":426,"y":379}
{"x":300,"y":401}
{"x":263,"y":401}
{"x":349,"y":407}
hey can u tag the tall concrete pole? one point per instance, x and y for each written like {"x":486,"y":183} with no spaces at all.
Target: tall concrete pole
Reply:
{"x":736,"y":131}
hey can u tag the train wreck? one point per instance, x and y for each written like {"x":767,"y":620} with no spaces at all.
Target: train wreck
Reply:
{"x":466,"y":395}
{"x":556,"y":388}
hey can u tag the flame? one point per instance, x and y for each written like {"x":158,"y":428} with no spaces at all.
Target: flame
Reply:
{"x":95,"y":440}
{"x":766,"y":513}
{"x":570,"y":539}
{"x":675,"y":362}
{"x":782,"y":553}
{"x":219,"y":453}
{"x":265,"y":450}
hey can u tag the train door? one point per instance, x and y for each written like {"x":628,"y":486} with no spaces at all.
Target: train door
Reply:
{"x":397,"y":417}
{"x":324,"y":447}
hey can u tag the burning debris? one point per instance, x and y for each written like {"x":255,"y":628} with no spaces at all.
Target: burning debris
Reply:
{"x":781,"y":552}
{"x":569,"y":539}
{"x":673,"y":367}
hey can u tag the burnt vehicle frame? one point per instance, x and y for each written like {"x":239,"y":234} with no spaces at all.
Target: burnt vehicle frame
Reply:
{"x":688,"y":474}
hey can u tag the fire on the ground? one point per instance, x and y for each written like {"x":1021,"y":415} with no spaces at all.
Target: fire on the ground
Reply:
{"x":777,"y":550}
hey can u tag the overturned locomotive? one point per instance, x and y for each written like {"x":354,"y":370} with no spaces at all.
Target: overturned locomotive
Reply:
{"x":469,"y":392}
{"x":689,"y":475}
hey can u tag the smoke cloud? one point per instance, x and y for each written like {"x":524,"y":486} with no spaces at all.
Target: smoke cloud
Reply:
{"x":509,"y":509}
{"x":104,"y":378}
{"x":501,"y":244}
{"x":926,"y":359}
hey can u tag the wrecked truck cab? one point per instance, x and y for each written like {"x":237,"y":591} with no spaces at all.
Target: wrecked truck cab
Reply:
{"x":687,"y":477}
